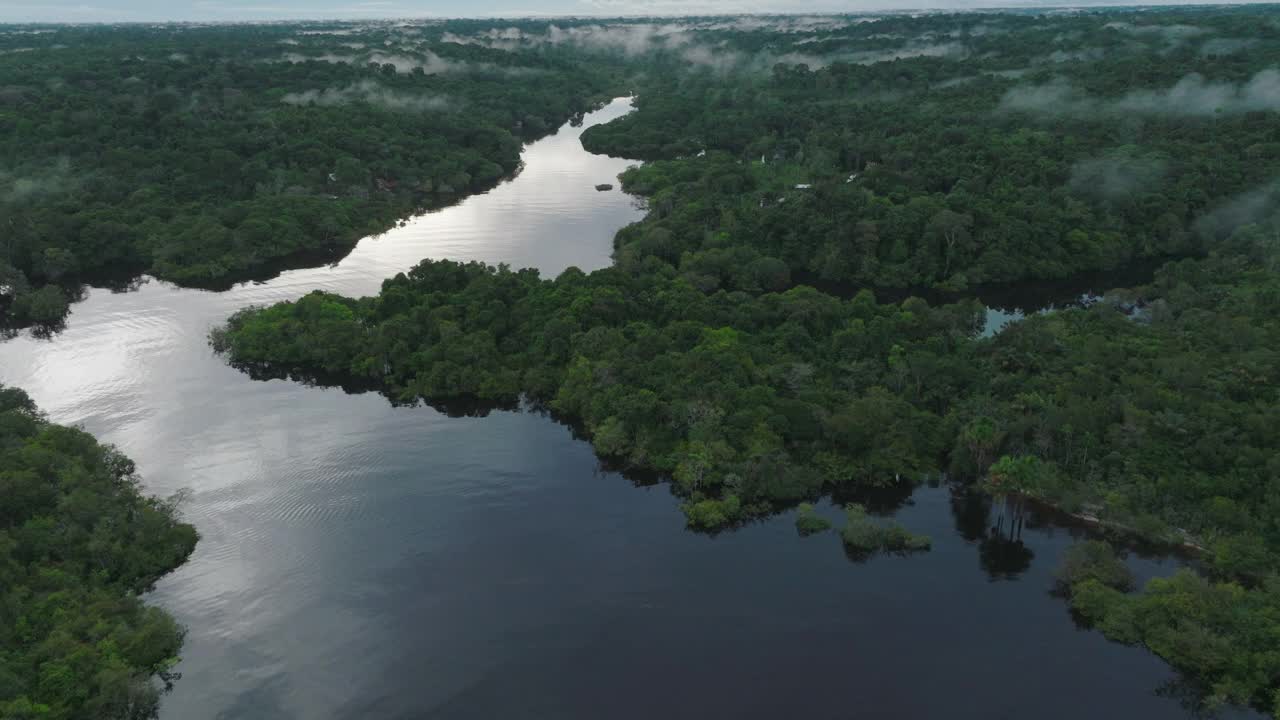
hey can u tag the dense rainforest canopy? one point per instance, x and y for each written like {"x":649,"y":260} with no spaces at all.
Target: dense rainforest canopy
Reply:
{"x":202,"y":155}
{"x":917,"y":155}
{"x":800,"y":173}
{"x":78,"y":543}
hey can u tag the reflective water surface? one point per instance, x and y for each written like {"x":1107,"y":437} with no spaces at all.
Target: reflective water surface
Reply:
{"x":359,"y":560}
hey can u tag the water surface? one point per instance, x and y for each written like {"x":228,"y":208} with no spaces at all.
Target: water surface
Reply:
{"x":360,"y":560}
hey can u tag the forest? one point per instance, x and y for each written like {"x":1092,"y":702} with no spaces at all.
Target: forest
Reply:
{"x":795,"y":175}
{"x":205,"y":155}
{"x":798,"y":315}
{"x":78,"y":544}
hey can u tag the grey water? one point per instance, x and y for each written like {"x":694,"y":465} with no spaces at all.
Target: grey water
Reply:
{"x":359,"y":560}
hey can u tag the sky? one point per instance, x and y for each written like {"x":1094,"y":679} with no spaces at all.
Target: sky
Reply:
{"x":73,"y":11}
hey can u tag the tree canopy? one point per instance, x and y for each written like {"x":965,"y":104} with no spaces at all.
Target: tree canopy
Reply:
{"x":78,"y":544}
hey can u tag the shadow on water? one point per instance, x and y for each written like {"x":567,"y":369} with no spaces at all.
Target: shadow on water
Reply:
{"x":463,"y":406}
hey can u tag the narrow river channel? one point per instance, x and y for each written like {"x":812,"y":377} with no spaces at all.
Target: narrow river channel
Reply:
{"x":360,"y":560}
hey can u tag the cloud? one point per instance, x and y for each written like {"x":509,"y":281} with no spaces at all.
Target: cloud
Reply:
{"x":429,"y":62}
{"x":720,"y":61}
{"x":1116,"y":175}
{"x":56,"y":177}
{"x":1190,"y":96}
{"x":1088,"y":54}
{"x":1244,"y":209}
{"x":910,"y":50}
{"x":1172,"y":34}
{"x":372,"y":93}
{"x":1055,"y":97}
{"x":628,"y":39}
{"x":1226,"y":46}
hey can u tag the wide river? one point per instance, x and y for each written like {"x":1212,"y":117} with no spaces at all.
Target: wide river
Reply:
{"x":359,"y":560}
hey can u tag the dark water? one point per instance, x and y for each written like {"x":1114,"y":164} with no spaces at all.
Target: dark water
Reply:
{"x":364,"y":561}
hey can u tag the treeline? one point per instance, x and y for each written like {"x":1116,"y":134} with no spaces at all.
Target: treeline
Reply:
{"x":204,"y":154}
{"x":78,"y":544}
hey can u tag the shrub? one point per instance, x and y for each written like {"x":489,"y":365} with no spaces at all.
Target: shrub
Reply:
{"x":809,"y":522}
{"x":1092,"y":560}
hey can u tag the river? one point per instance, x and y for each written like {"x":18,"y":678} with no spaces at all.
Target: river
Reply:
{"x":359,"y":560}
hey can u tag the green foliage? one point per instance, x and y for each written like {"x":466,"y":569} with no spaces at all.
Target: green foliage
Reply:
{"x":712,"y":514}
{"x":1021,"y":474}
{"x":862,"y":535}
{"x":922,"y":172}
{"x":809,"y":522}
{"x":1093,"y":560}
{"x":78,"y":544}
{"x":1222,"y":635}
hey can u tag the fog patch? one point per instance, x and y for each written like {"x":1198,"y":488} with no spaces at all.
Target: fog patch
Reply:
{"x":1116,"y":175}
{"x":372,"y":93}
{"x":821,"y":38}
{"x":954,"y":82}
{"x":17,"y":187}
{"x":630,"y":40}
{"x":1056,"y":96}
{"x":720,"y":61}
{"x":342,"y":31}
{"x":983,"y":29}
{"x":1172,"y":35}
{"x":1089,"y":54}
{"x":1190,"y":96}
{"x":797,"y":24}
{"x":910,"y":50}
{"x":633,"y":39}
{"x":1226,"y":46}
{"x":427,"y":61}
{"x":1244,"y":209}
{"x":326,"y":58}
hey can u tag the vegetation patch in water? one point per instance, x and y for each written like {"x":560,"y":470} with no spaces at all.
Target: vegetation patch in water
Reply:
{"x":809,"y":522}
{"x":862,"y":535}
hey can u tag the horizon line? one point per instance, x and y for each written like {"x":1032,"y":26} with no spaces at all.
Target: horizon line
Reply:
{"x":430,"y":17}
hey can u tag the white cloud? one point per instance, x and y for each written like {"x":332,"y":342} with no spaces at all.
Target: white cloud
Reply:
{"x":372,"y":93}
{"x":1193,"y":95}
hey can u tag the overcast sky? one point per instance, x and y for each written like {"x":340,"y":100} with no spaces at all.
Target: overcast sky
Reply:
{"x":249,"y":10}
